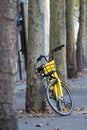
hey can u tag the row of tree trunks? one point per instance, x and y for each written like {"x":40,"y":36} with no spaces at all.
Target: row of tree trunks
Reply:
{"x":35,"y":98}
{"x":61,"y":32}
{"x":8,"y":40}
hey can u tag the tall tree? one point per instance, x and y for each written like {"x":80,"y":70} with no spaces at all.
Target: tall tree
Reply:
{"x":81,"y":40}
{"x":70,"y":40}
{"x":86,"y":34}
{"x":58,"y":33}
{"x":8,"y":118}
{"x":35,"y":99}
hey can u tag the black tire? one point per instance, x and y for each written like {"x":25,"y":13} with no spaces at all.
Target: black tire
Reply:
{"x":63,"y":105}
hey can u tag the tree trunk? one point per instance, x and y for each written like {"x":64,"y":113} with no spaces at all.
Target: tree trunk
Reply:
{"x":8,"y":118}
{"x":35,"y":98}
{"x":81,"y":40}
{"x":58,"y":34}
{"x":70,"y":40}
{"x":86,"y":36}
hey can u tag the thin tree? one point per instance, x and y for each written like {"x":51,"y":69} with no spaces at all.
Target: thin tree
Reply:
{"x":70,"y":40}
{"x":35,"y":98}
{"x":8,"y":39}
{"x":58,"y":34}
{"x":81,"y":39}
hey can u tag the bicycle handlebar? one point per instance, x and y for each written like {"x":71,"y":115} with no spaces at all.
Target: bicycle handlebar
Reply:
{"x":57,"y":48}
{"x":54,"y":50}
{"x":40,"y":57}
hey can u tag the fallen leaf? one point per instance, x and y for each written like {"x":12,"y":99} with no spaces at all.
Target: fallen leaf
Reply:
{"x":56,"y":128}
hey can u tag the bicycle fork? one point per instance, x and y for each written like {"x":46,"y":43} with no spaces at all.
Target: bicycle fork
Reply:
{"x":58,"y":89}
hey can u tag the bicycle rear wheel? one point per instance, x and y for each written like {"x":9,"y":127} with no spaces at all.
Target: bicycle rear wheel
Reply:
{"x":63,"y":105}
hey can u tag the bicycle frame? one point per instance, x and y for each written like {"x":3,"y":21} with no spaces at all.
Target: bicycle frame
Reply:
{"x":50,"y":67}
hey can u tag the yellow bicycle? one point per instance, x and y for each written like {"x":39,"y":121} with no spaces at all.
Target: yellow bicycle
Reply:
{"x":58,"y":93}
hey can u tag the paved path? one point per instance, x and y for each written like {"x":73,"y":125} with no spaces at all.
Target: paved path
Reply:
{"x":76,"y":121}
{"x":73,"y":122}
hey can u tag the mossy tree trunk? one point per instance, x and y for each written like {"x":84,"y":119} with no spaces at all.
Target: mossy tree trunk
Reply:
{"x":8,"y":40}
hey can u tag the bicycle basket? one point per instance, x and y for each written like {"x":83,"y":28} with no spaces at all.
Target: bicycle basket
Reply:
{"x":49,"y":67}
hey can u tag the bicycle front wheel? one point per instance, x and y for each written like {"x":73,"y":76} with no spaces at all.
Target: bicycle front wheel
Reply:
{"x":61,"y":105}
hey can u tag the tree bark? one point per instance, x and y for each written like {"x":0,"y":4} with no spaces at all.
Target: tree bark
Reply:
{"x":86,"y":36}
{"x":81,"y":39}
{"x":8,"y":115}
{"x":58,"y":34}
{"x":35,"y":98}
{"x":70,"y":40}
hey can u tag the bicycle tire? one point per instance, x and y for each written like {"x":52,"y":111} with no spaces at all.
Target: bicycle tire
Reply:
{"x":66,"y":103}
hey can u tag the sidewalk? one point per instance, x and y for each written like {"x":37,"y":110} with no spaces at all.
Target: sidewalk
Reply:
{"x":76,"y":121}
